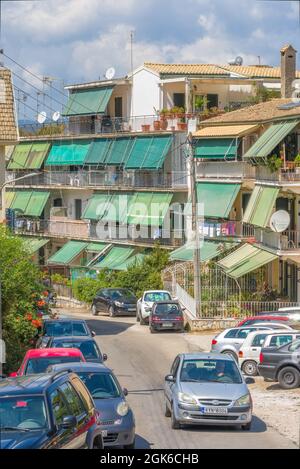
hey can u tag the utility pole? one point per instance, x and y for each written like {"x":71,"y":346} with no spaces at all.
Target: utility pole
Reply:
{"x":195,"y":228}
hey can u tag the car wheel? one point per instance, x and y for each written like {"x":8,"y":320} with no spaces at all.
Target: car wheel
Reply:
{"x":131,"y":446}
{"x":232,"y":354}
{"x":247,"y":427}
{"x":167,"y":411}
{"x":94,"y":311}
{"x":138,"y":318}
{"x":289,"y":378}
{"x":250,"y":368}
{"x":142,"y":320}
{"x":153,"y":331}
{"x":174,"y":423}
{"x":111,"y":312}
{"x":97,"y":444}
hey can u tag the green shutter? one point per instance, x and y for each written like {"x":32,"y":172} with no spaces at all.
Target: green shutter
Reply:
{"x":219,"y":148}
{"x":209,"y":250}
{"x":149,"y":152}
{"x":119,"y":151}
{"x":218,"y":198}
{"x":34,"y":245}
{"x":37,"y":155}
{"x":97,"y":207}
{"x":134,"y":260}
{"x":271,"y":138}
{"x":117,"y":208}
{"x":68,"y":153}
{"x":98,"y":151}
{"x":96,"y":247}
{"x":68,"y":253}
{"x":21,"y":201}
{"x":19,"y":156}
{"x":37,"y":204}
{"x":88,"y":102}
{"x":149,"y":209}
{"x":116,"y":257}
{"x":260,"y":206}
{"x":9,"y":197}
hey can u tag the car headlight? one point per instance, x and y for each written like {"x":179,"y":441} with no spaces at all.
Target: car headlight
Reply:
{"x":123,"y":409}
{"x":186,"y":399}
{"x":243,"y":401}
{"x":118,"y":304}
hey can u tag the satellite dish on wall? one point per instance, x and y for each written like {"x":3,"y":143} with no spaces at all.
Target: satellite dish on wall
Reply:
{"x":42,"y":116}
{"x":56,"y":116}
{"x":280,"y":221}
{"x":110,"y":73}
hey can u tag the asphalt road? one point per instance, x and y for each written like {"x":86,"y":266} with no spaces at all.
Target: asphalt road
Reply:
{"x":141,"y":361}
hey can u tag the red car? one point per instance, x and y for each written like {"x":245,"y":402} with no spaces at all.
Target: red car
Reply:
{"x":36,"y":361}
{"x":259,"y":319}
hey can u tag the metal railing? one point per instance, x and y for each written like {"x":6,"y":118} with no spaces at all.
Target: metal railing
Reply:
{"x":287,"y":175}
{"x":225,"y":170}
{"x":240,"y":309}
{"x":126,"y":179}
{"x":286,"y":241}
{"x":227,"y":229}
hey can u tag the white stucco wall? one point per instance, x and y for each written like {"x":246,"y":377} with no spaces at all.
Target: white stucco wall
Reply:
{"x":146,"y":93}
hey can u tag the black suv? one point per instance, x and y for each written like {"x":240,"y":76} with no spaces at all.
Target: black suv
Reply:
{"x":115,"y":302}
{"x":48,"y":412}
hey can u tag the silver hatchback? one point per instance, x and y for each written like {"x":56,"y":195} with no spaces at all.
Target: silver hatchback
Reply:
{"x":207,"y":389}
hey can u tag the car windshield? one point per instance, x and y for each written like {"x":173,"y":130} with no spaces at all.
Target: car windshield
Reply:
{"x":88,"y":348}
{"x":168,"y":309}
{"x":101,"y":385}
{"x":121,"y":294}
{"x":157,"y":296}
{"x":210,"y":371}
{"x":40,"y":365}
{"x":63,"y":329}
{"x":23,"y":413}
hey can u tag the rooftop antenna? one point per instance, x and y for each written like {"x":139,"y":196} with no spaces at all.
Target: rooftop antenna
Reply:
{"x":259,"y":60}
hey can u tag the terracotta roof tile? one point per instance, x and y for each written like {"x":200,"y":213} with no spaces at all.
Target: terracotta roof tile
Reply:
{"x":225,"y":131}
{"x":8,"y":129}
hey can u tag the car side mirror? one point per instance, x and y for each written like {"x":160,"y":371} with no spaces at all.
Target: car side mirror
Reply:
{"x":13,"y":375}
{"x":69,"y":422}
{"x":105,"y":357}
{"x":93,"y":333}
{"x":125,"y":392}
{"x":170,"y":379}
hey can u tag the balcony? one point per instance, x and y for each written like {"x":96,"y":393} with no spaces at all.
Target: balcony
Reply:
{"x":286,"y":241}
{"x":105,"y":179}
{"x":228,"y":229}
{"x":288,"y":175}
{"x":236,"y":170}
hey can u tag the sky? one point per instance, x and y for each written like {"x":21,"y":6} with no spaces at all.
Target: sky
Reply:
{"x":77,"y":40}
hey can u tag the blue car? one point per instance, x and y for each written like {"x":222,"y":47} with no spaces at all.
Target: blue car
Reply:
{"x":116,"y":418}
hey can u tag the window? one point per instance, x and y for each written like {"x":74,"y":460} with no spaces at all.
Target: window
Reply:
{"x":101,"y":385}
{"x":295,"y":346}
{"x":59,"y":407}
{"x":84,"y":394}
{"x":78,"y":209}
{"x":231,"y":334}
{"x":27,"y":413}
{"x":175,"y":366}
{"x":259,"y":340}
{"x":157,"y":296}
{"x":57,"y":203}
{"x":179,"y":100}
{"x":212,"y":100}
{"x":243,"y":333}
{"x":279,"y":341}
{"x":210,"y":371}
{"x":119,"y":107}
{"x":73,"y":400}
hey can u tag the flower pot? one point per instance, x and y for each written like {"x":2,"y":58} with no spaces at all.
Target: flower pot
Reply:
{"x":156,"y":125}
{"x":145,"y":128}
{"x":163,"y":124}
{"x":182,"y":126}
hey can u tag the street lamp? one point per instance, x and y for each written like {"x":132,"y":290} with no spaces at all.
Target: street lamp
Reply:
{"x":3,"y":187}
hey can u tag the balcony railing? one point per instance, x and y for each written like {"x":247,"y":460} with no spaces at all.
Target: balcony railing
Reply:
{"x":225,"y":170}
{"x":227,"y":229}
{"x":126,"y":179}
{"x":286,"y":241}
{"x":287,"y":175}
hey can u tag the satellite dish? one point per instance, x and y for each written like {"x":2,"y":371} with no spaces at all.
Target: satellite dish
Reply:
{"x":280,"y":221}
{"x":42,"y":116}
{"x":56,"y":116}
{"x":239,"y":60}
{"x":110,"y":73}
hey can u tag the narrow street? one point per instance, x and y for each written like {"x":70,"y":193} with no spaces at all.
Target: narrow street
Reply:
{"x":141,"y":360}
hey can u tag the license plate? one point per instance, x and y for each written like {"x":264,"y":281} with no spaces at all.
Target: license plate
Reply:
{"x":104,"y":433}
{"x":167,"y":324}
{"x":214,"y":410}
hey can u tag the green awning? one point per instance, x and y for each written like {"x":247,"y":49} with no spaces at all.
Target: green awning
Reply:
{"x":219,"y":148}
{"x":88,"y":102}
{"x":9,"y":197}
{"x":37,"y":203}
{"x":209,"y":250}
{"x":149,"y":152}
{"x":149,"y":209}
{"x":34,"y":245}
{"x":244,"y":260}
{"x":97,"y":207}
{"x":68,"y":153}
{"x":68,"y":253}
{"x":119,"y":151}
{"x":260,"y":206}
{"x":21,"y":201}
{"x":271,"y":138}
{"x":134,"y":260}
{"x":37,"y":155}
{"x":218,"y":198}
{"x":116,"y":257}
{"x":19,"y":156}
{"x":98,"y":151}
{"x":96,"y":247}
{"x":117,"y":208}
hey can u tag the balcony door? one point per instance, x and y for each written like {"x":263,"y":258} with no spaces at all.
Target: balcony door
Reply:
{"x":78,"y":209}
{"x":119,"y":107}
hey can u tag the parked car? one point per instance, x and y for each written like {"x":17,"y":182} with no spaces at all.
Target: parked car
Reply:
{"x":38,"y":360}
{"x":250,"y":350}
{"x":166,"y":315}
{"x":117,"y":419}
{"x":281,"y":364}
{"x":258,"y":319}
{"x":293,"y":313}
{"x":115,"y":302}
{"x":230,"y":341}
{"x":48,"y":412}
{"x":207,"y":389}
{"x":63,"y":328}
{"x":87,"y":346}
{"x":145,"y":304}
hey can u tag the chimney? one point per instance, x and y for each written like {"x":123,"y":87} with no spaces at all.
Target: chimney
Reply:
{"x":288,"y":70}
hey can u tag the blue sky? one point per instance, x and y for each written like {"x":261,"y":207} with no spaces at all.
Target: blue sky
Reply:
{"x":77,"y":40}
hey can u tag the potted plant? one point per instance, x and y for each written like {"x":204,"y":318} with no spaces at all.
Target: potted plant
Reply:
{"x":156,"y":125}
{"x":274,"y":163}
{"x":297,"y":163}
{"x":145,"y":128}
